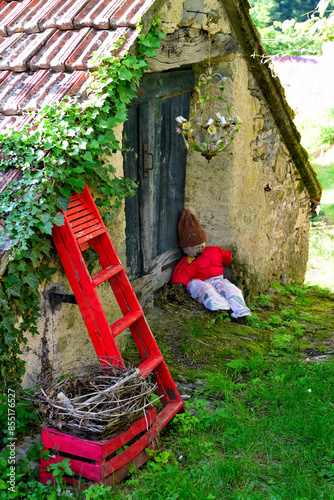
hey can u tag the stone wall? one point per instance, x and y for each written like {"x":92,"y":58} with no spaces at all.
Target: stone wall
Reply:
{"x":250,"y":196}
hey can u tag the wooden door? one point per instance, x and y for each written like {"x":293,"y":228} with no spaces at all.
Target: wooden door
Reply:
{"x":156,"y":159}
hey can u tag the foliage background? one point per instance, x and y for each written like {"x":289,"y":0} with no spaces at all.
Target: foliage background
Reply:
{"x":293,"y":28}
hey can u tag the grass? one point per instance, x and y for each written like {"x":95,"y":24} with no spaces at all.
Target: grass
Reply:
{"x":321,"y":255}
{"x":259,"y":425}
{"x":264,"y":433}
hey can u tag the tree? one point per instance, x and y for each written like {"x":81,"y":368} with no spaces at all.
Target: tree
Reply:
{"x":292,"y":37}
{"x":297,"y":10}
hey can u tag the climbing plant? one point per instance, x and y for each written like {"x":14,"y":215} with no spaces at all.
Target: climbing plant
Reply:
{"x":69,"y":144}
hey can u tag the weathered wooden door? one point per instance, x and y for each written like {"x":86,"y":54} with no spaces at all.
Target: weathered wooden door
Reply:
{"x":156,"y":159}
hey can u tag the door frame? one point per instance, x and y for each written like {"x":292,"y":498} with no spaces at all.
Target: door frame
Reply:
{"x":155,"y":88}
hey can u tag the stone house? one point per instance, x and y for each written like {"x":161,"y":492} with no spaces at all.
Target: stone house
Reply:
{"x":256,"y":196}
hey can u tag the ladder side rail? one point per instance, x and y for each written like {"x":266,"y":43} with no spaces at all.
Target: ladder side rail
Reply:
{"x":88,"y":301}
{"x":83,"y":304}
{"x":127,"y":300}
{"x":166,"y":387}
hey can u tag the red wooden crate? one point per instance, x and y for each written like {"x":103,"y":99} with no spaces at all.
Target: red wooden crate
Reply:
{"x":96,"y":461}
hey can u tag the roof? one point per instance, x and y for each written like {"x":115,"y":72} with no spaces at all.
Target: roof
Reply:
{"x":303,"y":80}
{"x":45,"y":47}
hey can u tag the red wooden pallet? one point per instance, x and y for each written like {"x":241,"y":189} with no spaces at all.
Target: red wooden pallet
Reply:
{"x":93,"y":461}
{"x":83,"y":227}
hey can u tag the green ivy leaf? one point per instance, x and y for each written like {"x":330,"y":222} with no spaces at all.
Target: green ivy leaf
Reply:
{"x":62,"y":203}
{"x":58,"y":219}
{"x":45,"y":247}
{"x":34,"y":254}
{"x":12,"y":278}
{"x":31,"y":280}
{"x":88,"y":156}
{"x":14,"y":290}
{"x":45,"y":217}
{"x":121,"y":116}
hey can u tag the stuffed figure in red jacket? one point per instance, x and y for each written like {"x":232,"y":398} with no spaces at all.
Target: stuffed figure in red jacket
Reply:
{"x":201,"y":271}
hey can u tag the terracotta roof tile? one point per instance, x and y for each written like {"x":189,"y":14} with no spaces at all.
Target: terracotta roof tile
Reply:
{"x":130,"y":13}
{"x":99,"y":42}
{"x":10,"y":87}
{"x":6,"y":42}
{"x":23,"y":49}
{"x":93,"y":42}
{"x":14,"y":122}
{"x":8,"y":175}
{"x":54,"y":88}
{"x":97,"y":13}
{"x":9,"y":12}
{"x":62,"y":14}
{"x":3,"y":75}
{"x":44,"y":91}
{"x":46,"y":48}
{"x":29,"y":18}
{"x":58,"y":49}
{"x":12,"y":105}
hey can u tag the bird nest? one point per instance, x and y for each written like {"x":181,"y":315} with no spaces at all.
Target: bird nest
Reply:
{"x":94,"y":402}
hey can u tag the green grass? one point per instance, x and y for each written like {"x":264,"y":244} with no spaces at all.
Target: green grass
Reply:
{"x":262,"y":426}
{"x":264,"y":433}
{"x":321,"y":253}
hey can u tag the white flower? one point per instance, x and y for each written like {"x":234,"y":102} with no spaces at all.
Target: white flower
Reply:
{"x":309,"y":390}
{"x":209,"y":122}
{"x":238,"y":120}
{"x":180,"y":119}
{"x":220,"y":119}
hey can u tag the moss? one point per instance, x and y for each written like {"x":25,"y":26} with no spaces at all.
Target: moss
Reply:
{"x":193,"y":340}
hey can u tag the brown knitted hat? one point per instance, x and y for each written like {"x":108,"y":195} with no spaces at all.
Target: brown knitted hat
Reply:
{"x":189,"y":230}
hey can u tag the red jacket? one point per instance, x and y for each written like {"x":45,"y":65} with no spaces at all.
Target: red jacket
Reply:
{"x":207,"y":265}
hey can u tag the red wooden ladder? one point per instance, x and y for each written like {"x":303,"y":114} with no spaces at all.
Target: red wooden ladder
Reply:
{"x":83,"y":228}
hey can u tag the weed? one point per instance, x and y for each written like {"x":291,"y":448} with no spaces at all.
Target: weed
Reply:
{"x":218,"y":320}
{"x":97,"y":492}
{"x":185,"y":422}
{"x":263,"y":301}
{"x":281,"y":343}
{"x":26,"y":418}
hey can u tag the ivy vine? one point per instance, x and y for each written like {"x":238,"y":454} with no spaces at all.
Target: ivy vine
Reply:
{"x":65,"y":148}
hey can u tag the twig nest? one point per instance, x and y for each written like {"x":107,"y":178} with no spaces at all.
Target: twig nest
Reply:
{"x":95,"y":402}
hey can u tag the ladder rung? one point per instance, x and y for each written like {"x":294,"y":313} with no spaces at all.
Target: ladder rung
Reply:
{"x":149,"y":364}
{"x":85,"y":230}
{"x":91,"y":235}
{"x":105,"y":274}
{"x":79,"y":215}
{"x":83,"y":220}
{"x":76,"y":208}
{"x":127,"y":320}
{"x":76,"y":197}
